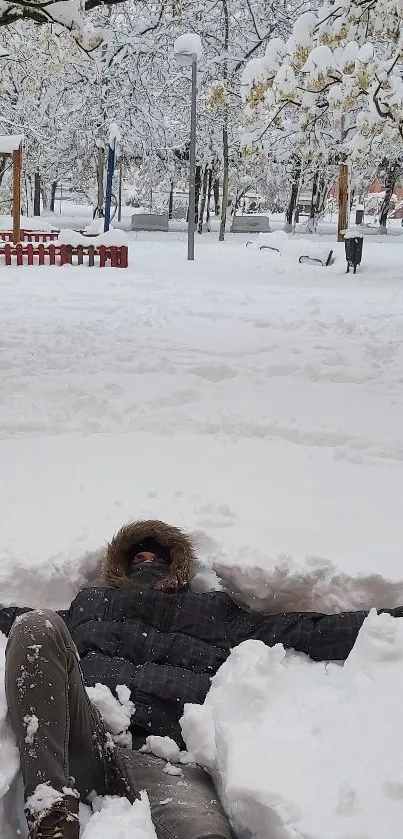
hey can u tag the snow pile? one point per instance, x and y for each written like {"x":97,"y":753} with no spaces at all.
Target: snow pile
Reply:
{"x":168,"y":750}
{"x":45,"y":797}
{"x":163,"y":747}
{"x":315,"y":585}
{"x":32,"y":724}
{"x":55,"y":580}
{"x":259,"y":581}
{"x":112,"y":237}
{"x":117,"y":817}
{"x":36,"y":224}
{"x":290,"y":247}
{"x":95,"y":227}
{"x":169,"y":769}
{"x":300,"y":749}
{"x":116,"y":713}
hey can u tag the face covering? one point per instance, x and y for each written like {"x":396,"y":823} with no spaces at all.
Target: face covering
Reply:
{"x":145,"y":574}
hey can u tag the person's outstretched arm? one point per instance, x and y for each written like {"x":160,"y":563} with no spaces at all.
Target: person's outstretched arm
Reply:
{"x":8,"y":615}
{"x":322,"y":637}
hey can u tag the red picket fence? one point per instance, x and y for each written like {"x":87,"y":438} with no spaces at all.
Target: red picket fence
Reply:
{"x":102,"y":255}
{"x":30,"y":235}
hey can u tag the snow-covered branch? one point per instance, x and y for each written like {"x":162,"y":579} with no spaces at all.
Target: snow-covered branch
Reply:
{"x":344,"y":62}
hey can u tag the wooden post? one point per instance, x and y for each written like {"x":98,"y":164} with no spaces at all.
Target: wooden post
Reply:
{"x":17,"y":165}
{"x":343,"y":202}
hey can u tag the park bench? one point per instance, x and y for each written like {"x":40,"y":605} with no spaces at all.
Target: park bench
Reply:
{"x":150,"y":221}
{"x":250,"y":224}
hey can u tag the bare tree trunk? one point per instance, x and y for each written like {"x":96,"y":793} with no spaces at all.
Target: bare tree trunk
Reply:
{"x":203,"y":200}
{"x":197,"y":192}
{"x":44,"y":195}
{"x":225,"y":148}
{"x":322,"y":194}
{"x":171,"y":200}
{"x":240,"y":195}
{"x":224,"y":204}
{"x":37,"y":194}
{"x":216,"y":192}
{"x":289,"y":215}
{"x":312,"y":209}
{"x":53,"y":196}
{"x":390,"y":180}
{"x":28,"y":194}
{"x":3,"y":167}
{"x":209,"y":188}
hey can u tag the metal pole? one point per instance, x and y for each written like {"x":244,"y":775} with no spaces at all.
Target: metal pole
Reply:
{"x":120,"y":192}
{"x":192,"y":165}
{"x":109,"y":179}
{"x":17,"y":165}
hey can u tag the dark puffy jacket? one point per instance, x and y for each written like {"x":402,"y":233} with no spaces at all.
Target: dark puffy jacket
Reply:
{"x":165,"y":645}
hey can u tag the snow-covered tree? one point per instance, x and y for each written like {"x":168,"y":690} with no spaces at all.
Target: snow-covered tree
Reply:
{"x":334,"y":86}
{"x":63,"y":98}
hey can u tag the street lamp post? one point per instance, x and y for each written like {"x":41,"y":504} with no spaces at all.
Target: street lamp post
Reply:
{"x":187,"y":51}
{"x":192,"y":165}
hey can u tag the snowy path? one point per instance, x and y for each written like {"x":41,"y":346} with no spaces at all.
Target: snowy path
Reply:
{"x":269,"y":398}
{"x":221,"y":351}
{"x":258,"y":403}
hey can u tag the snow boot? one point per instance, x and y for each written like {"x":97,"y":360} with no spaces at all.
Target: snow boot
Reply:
{"x":59,"y":822}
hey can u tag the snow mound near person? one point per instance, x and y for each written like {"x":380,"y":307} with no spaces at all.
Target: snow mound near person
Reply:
{"x":303,"y":750}
{"x":56,"y":580}
{"x":315,"y":585}
{"x":262,"y":583}
{"x":116,"y":713}
{"x":117,"y":817}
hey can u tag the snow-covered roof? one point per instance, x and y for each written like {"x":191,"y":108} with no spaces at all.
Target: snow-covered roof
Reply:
{"x":10,"y":143}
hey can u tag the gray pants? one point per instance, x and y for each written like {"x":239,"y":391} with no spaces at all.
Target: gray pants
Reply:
{"x":63,"y":742}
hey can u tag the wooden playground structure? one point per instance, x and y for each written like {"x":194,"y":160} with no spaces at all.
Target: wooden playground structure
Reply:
{"x":35,"y":247}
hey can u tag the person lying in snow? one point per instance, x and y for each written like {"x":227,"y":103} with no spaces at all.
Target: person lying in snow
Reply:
{"x":142,"y":627}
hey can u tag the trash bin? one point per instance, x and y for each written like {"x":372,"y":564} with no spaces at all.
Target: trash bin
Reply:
{"x":353,"y":247}
{"x":359,"y":215}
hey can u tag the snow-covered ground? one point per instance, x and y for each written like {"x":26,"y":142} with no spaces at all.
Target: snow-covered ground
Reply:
{"x":258,"y":403}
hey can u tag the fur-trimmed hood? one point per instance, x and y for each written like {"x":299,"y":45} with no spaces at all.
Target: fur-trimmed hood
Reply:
{"x":116,"y":565}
